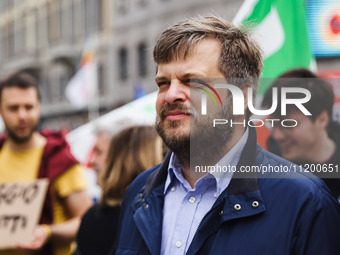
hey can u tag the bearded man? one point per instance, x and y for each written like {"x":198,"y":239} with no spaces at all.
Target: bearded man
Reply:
{"x":27,"y":155}
{"x":180,"y":207}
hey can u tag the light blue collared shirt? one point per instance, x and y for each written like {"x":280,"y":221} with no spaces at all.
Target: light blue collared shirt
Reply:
{"x":185,"y":207}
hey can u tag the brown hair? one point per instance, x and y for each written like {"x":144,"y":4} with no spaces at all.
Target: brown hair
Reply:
{"x":241,"y":58}
{"x":21,"y":80}
{"x":322,"y":95}
{"x":131,"y":151}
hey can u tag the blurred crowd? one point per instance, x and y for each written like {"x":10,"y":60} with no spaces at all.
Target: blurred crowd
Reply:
{"x":156,"y":214}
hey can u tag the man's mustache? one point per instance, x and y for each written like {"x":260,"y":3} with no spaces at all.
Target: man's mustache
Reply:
{"x":177,"y":107}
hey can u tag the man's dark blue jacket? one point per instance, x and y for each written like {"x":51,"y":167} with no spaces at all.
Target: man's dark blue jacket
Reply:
{"x":281,"y":214}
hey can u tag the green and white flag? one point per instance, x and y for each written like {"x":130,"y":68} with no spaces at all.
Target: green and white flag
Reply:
{"x":280,"y":27}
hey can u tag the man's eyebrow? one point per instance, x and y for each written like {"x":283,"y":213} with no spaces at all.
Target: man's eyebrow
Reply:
{"x":160,"y":78}
{"x":197,"y":75}
{"x":184,"y":76}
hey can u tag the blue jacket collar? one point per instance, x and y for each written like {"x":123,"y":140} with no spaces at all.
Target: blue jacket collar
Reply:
{"x":241,"y":199}
{"x":240,"y":183}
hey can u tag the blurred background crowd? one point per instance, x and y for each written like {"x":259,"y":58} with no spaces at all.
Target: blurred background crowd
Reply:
{"x":92,"y":60}
{"x":51,"y":39}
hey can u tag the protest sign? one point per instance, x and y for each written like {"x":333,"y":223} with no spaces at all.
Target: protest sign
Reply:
{"x":20,"y":209}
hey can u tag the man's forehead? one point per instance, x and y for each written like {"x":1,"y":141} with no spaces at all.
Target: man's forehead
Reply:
{"x":184,"y":74}
{"x":207,"y":46}
{"x":18,"y":89}
{"x":14,"y":94}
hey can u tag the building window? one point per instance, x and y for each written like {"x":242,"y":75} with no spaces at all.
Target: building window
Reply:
{"x":10,"y":4}
{"x":123,"y":65}
{"x":142,"y":3}
{"x":93,"y":15}
{"x":77,"y":18}
{"x":122,"y":6}
{"x":10,"y":39}
{"x":73,"y":19}
{"x":6,"y":5}
{"x":4,"y":40}
{"x":20,"y":36}
{"x":65,"y":22}
{"x":2,"y":6}
{"x":101,"y":80}
{"x":142,"y":59}
{"x":59,"y":14}
{"x":40,"y":36}
{"x":53,"y":22}
{"x":30,"y":33}
{"x":58,"y":77}
{"x":1,"y":47}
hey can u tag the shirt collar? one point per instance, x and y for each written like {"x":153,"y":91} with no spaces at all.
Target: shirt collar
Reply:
{"x":173,"y":169}
{"x":230,"y":159}
{"x":222,"y":178}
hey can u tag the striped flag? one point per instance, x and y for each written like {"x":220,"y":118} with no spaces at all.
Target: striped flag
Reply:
{"x":82,"y":88}
{"x":280,"y":27}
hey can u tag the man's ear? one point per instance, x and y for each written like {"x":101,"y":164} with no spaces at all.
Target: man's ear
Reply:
{"x":323,"y":119}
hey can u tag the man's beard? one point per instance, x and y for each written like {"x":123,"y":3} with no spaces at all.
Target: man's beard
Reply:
{"x":20,"y":140}
{"x":205,"y":143}
{"x":175,"y":142}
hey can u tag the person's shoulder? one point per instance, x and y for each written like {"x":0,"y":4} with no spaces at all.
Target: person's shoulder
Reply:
{"x":57,"y":156}
{"x":2,"y":140}
{"x":141,"y":180}
{"x":274,"y":166}
{"x":137,"y":186}
{"x":286,"y":177}
{"x":90,"y":213}
{"x":56,"y":143}
{"x":268,"y":158}
{"x":98,"y":211}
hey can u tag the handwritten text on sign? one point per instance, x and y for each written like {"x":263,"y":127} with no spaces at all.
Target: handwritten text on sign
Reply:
{"x":20,"y":209}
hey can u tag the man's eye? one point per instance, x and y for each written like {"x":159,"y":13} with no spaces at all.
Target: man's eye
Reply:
{"x":196,"y":82}
{"x":13,"y":108}
{"x":187,"y":82}
{"x":161,"y":83}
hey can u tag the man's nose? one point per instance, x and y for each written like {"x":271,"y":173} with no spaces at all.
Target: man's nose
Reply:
{"x":177,"y":92}
{"x":22,"y":112}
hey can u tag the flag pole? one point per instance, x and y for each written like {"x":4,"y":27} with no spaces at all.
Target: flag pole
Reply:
{"x":93,"y":106}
